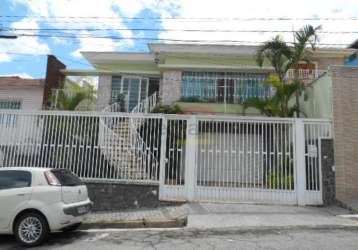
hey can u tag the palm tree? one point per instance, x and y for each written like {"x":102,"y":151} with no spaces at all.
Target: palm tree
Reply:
{"x":283,"y":57}
{"x":278,"y":53}
{"x":278,"y":104}
{"x":307,"y":36}
{"x":75,"y":97}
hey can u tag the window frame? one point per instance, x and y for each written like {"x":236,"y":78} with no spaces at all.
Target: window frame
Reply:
{"x":17,"y":173}
{"x":17,"y":101}
{"x":242,"y":85}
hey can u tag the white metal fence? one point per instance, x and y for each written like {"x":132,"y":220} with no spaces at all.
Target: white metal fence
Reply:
{"x":76,"y":141}
{"x":265,"y":160}
{"x":203,"y":158}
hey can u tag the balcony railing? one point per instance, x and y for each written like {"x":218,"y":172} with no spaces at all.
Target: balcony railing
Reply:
{"x":305,"y":74}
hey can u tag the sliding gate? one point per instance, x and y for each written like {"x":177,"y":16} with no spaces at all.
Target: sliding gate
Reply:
{"x":242,"y":159}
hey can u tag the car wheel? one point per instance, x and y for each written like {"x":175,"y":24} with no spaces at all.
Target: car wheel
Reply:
{"x":31,"y":229}
{"x":72,"y":227}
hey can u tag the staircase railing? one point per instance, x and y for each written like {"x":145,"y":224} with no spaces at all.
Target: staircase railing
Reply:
{"x":136,"y":143}
{"x":145,"y":106}
{"x":107,"y":137}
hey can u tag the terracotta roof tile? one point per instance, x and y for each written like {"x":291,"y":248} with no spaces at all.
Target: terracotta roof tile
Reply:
{"x":15,"y":81}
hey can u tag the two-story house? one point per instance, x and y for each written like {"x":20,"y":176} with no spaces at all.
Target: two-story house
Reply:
{"x":199,"y":78}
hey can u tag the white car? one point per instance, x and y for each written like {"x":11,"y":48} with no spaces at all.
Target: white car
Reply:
{"x":37,"y":201}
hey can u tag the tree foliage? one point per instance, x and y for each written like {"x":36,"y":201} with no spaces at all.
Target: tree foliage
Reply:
{"x":278,"y":104}
{"x":75,"y":97}
{"x":283,"y":57}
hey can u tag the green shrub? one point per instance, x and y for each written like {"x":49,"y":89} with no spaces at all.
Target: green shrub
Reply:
{"x":191,"y":99}
{"x":167,"y":109}
{"x":278,"y":180}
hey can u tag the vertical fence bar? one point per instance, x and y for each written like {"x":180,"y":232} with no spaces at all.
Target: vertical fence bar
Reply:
{"x":190,"y":157}
{"x":300,"y":161}
{"x":163,"y":148}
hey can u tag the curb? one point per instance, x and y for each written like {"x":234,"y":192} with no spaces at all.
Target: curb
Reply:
{"x":270,"y":228}
{"x":170,"y":223}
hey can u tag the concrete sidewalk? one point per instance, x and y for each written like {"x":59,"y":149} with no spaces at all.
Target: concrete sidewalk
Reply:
{"x":209,"y":215}
{"x":218,"y":215}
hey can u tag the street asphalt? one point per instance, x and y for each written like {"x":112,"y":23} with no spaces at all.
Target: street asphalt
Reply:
{"x":295,"y":238}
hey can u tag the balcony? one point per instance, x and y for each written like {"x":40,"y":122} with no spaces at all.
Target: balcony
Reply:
{"x":307,"y":75}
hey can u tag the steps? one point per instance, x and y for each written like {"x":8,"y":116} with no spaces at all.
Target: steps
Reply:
{"x":124,"y":147}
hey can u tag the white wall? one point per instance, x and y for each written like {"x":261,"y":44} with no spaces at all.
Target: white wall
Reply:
{"x":31,"y":98}
{"x":18,"y":132}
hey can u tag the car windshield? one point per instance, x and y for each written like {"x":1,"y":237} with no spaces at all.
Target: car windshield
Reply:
{"x":66,"y":177}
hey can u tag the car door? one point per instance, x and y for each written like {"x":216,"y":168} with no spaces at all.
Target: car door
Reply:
{"x":15,"y":192}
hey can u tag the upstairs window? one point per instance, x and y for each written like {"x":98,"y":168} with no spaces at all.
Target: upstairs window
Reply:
{"x":223,"y":87}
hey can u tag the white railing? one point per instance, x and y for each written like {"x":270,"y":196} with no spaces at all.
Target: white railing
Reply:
{"x":138,"y":143}
{"x":147,"y":104}
{"x":135,"y":142}
{"x":305,"y":74}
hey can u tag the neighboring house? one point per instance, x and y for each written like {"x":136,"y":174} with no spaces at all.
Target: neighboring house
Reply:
{"x":199,"y":78}
{"x":19,"y":93}
{"x":31,"y":94}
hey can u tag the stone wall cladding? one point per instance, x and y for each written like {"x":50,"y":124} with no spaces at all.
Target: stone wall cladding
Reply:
{"x":104,"y":91}
{"x":119,"y":196}
{"x":171,"y":86}
{"x":328,"y":174}
{"x":345,"y":119}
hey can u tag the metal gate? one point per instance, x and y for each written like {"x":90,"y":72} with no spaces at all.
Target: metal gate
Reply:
{"x":240,"y":159}
{"x":194,"y":158}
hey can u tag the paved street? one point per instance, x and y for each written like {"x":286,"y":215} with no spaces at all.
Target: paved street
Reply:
{"x":194,"y":239}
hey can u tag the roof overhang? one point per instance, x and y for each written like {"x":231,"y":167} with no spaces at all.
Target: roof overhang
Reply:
{"x":333,"y":52}
{"x":100,"y":58}
{"x":243,"y":68}
{"x":105,"y":72}
{"x":206,"y":49}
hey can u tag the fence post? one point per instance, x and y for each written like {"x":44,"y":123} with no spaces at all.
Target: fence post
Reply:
{"x":190,"y":157}
{"x":300,"y":161}
{"x":162,"y":162}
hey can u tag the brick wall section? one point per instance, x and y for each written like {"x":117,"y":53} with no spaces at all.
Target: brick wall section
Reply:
{"x":116,"y":196}
{"x":104,"y":91}
{"x":345,"y":119}
{"x":328,"y":174}
{"x":171,"y":86}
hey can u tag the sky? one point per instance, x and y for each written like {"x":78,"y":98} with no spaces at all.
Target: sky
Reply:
{"x":119,"y":19}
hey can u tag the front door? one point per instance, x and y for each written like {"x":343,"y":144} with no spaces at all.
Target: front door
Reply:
{"x":136,"y":89}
